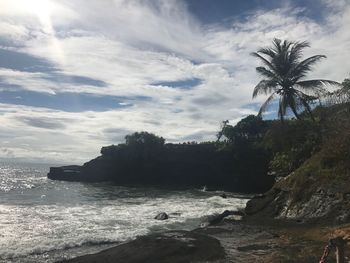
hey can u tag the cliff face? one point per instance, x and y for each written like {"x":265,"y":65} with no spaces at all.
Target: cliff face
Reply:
{"x":174,"y":166}
{"x":319,"y":190}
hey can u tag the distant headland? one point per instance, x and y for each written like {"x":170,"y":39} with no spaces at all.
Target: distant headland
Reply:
{"x":146,"y":160}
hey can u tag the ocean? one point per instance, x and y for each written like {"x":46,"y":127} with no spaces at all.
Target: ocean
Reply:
{"x":45,"y":221}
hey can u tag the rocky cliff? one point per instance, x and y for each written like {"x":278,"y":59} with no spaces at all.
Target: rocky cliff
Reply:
{"x":173,"y":166}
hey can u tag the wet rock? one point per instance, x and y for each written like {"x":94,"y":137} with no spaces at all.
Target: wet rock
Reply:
{"x":67,"y":173}
{"x":162,"y":216}
{"x":216,"y":219}
{"x":260,"y":202}
{"x":172,"y":247}
{"x":223,"y":195}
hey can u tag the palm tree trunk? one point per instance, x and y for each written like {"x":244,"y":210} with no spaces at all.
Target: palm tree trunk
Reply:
{"x":295,"y":113}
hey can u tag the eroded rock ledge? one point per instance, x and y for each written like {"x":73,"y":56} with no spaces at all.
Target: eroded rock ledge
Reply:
{"x":174,"y":246}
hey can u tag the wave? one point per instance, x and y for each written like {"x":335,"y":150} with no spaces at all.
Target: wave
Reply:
{"x":46,"y":221}
{"x":40,"y":250}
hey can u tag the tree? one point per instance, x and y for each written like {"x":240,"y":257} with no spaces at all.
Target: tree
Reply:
{"x":249,"y":128}
{"x":345,"y":90}
{"x":284,"y":74}
{"x":339,"y":96}
{"x":144,"y":139}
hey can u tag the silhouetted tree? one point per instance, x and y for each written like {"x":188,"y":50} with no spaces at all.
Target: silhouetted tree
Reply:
{"x":339,"y":96}
{"x":145,"y":139}
{"x":284,"y":74}
{"x":249,"y":128}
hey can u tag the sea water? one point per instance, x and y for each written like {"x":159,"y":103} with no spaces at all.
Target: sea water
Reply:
{"x":45,"y":221}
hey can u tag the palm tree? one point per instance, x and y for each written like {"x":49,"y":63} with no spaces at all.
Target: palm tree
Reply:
{"x":284,"y":74}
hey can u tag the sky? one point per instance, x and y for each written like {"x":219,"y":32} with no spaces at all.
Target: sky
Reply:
{"x":76,"y":75}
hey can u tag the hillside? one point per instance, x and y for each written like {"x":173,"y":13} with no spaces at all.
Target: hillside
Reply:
{"x":319,"y":189}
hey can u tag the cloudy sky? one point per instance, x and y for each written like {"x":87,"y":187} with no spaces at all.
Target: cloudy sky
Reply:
{"x":79,"y":74}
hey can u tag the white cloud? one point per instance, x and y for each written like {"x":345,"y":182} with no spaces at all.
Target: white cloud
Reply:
{"x":132,"y":45}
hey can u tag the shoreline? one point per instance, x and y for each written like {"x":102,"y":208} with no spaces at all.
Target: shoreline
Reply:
{"x":229,"y":241}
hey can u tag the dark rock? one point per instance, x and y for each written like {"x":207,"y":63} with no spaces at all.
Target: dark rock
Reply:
{"x":260,"y":202}
{"x":223,"y":196}
{"x":172,"y":247}
{"x":162,"y":216}
{"x":218,"y":218}
{"x":66,"y":173}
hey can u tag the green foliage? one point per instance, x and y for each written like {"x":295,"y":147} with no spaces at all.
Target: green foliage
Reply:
{"x":109,"y":150}
{"x":346,"y":84}
{"x":144,"y":139}
{"x":284,"y":136}
{"x":250,"y":128}
{"x":284,"y":74}
{"x":134,"y":144}
{"x":284,"y":146}
{"x":291,"y":144}
{"x":282,"y":164}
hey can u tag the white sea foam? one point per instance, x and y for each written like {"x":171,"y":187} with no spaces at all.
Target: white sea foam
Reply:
{"x":41,"y":222}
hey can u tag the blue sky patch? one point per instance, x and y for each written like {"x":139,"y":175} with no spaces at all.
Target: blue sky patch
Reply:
{"x":180,"y":84}
{"x":70,"y":102}
{"x":77,"y":80}
{"x":209,"y":11}
{"x":23,"y":62}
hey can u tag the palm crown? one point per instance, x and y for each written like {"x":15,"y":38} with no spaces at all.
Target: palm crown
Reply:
{"x":284,"y":74}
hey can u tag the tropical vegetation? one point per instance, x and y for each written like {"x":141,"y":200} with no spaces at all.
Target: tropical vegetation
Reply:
{"x":284,"y":76}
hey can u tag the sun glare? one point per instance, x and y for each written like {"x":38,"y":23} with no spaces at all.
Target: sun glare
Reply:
{"x":42,"y":9}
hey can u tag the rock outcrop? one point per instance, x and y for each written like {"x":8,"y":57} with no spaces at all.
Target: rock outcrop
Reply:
{"x":175,"y":166}
{"x":175,"y":246}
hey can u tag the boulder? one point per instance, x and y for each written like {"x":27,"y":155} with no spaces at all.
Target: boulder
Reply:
{"x":218,"y":218}
{"x":162,"y":216}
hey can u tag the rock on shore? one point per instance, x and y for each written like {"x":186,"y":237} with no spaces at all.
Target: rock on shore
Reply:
{"x":174,"y":246}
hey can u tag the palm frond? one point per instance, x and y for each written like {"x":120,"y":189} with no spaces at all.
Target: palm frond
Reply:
{"x":263,"y":107}
{"x":267,"y":51}
{"x":297,"y":50}
{"x":264,"y":87}
{"x":316,"y":85}
{"x":300,"y":70}
{"x":317,"y":82}
{"x":286,"y":45}
{"x":277,"y":44}
{"x":264,"y":60}
{"x":267,"y":73}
